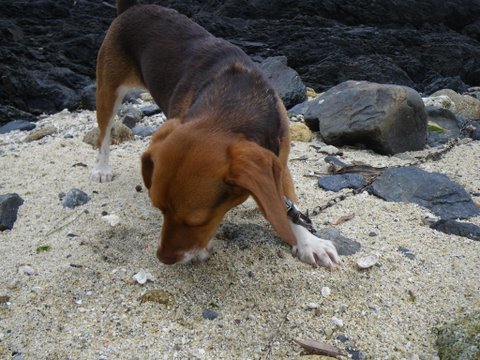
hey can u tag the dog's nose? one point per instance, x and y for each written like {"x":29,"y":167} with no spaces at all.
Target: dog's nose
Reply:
{"x":167,"y":260}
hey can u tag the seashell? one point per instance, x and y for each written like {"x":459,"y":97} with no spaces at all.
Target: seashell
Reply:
{"x":142,"y":277}
{"x":367,"y":261}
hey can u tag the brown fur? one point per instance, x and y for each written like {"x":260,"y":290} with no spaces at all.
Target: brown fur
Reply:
{"x":227,"y":134}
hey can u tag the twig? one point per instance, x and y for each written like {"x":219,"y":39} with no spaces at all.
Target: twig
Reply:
{"x":54,"y":230}
{"x":268,"y":347}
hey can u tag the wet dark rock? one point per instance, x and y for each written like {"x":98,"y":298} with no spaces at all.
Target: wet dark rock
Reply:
{"x":468,"y":230}
{"x":285,"y":80}
{"x":88,"y":97}
{"x":210,"y":314}
{"x":344,"y":245}
{"x":74,"y":198}
{"x":9,"y":205}
{"x":21,"y":125}
{"x":386,"y":118}
{"x":449,"y":82}
{"x":341,"y":181}
{"x":475,"y":134}
{"x":434,"y":191}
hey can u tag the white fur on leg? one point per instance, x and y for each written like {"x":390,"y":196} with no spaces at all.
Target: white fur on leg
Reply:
{"x":313,"y":250}
{"x":101,"y":170}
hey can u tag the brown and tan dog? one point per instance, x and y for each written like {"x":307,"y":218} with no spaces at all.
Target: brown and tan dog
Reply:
{"x":227,"y":136}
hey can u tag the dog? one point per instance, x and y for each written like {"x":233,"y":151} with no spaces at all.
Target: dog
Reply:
{"x":226,"y":138}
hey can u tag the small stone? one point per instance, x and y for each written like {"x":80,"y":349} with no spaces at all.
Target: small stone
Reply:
{"x":326,"y":291}
{"x":142,"y":277}
{"x":74,"y":198}
{"x":41,"y":133}
{"x":26,"y":270}
{"x":9,"y":205}
{"x":372,"y":234}
{"x":120,"y":133}
{"x":313,"y":305}
{"x":329,"y":149}
{"x":131,"y":117}
{"x":4,"y":298}
{"x":21,"y":125}
{"x":143,"y":131}
{"x":210,"y":314}
{"x":337,"y":322}
{"x":367,"y":261}
{"x":300,"y":132}
{"x":150,"y":110}
{"x":158,"y":296}
{"x":111,"y":219}
{"x":138,"y":188}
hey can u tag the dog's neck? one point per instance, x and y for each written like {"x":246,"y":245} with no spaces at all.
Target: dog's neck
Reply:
{"x":228,"y":101}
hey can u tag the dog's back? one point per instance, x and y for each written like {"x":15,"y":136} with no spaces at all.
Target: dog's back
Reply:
{"x":191,"y":74}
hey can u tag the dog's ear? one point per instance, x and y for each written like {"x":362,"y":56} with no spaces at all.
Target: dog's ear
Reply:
{"x":147,"y":161}
{"x":259,"y":172}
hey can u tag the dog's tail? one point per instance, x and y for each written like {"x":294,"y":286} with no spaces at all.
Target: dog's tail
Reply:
{"x":123,"y":5}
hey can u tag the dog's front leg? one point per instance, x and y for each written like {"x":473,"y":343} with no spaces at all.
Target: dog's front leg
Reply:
{"x":309,"y":248}
{"x":313,"y":250}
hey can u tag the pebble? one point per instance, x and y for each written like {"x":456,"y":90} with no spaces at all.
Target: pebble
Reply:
{"x":21,"y":125}
{"x":367,"y":261}
{"x":313,"y":305}
{"x":26,"y":269}
{"x":329,"y":149}
{"x":143,"y":131}
{"x":210,"y":314}
{"x":9,"y":205}
{"x":4,"y":298}
{"x":74,"y":198}
{"x":112,"y":219}
{"x":326,"y":291}
{"x":158,"y":296}
{"x":337,"y":322}
{"x":142,"y":277}
{"x":41,"y":133}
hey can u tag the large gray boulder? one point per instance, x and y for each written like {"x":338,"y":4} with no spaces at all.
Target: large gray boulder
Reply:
{"x":386,"y":118}
{"x":284,"y":80}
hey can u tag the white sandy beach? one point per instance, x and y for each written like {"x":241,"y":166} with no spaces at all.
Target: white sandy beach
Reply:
{"x":81,"y":301}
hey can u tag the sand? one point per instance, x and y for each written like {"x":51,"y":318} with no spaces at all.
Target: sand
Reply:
{"x":81,"y":302}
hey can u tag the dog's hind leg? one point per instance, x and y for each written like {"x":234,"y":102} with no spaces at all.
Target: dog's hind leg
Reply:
{"x":115,"y":76}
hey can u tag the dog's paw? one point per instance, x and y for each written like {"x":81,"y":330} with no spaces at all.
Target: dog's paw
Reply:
{"x":315,"y":251}
{"x":101,"y":175}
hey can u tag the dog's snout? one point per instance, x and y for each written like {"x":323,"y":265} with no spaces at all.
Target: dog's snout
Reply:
{"x":167,"y":260}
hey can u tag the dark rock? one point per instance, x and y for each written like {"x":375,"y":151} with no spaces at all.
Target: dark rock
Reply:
{"x":133,"y":96}
{"x":150,"y":110}
{"x":131,"y":116}
{"x":407,"y":252}
{"x":450,"y":82}
{"x":468,"y":230}
{"x":345,"y":246}
{"x":475,"y":134}
{"x":326,"y":42}
{"x":88,"y":97}
{"x":74,"y":198}
{"x":335,"y":161}
{"x":460,"y":339}
{"x":341,"y":181}
{"x":285,"y":80}
{"x":143,"y":131}
{"x":386,"y":118}
{"x":210,"y":314}
{"x":9,"y":205}
{"x":433,"y":191}
{"x":21,"y":125}
{"x":447,"y":121}
{"x":372,"y":234}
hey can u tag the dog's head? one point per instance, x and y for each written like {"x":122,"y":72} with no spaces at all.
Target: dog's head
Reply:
{"x":194,"y":177}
